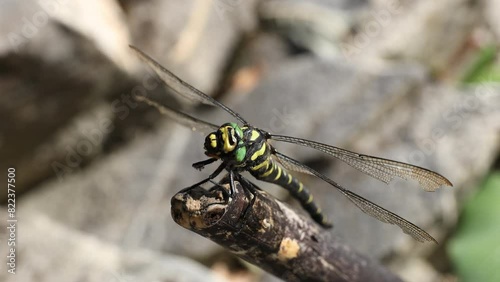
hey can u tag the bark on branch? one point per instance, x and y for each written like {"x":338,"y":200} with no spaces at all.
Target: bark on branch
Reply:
{"x":271,"y":235}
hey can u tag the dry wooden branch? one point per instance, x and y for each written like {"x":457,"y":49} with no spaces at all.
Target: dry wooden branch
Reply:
{"x":271,"y":235}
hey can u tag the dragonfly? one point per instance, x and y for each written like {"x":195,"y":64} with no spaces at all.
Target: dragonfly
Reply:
{"x":243,"y":147}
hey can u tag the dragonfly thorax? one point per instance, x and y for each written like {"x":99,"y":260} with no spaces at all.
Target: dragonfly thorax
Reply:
{"x":225,"y":143}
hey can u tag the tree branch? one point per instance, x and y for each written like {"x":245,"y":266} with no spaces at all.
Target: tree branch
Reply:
{"x":265,"y":232}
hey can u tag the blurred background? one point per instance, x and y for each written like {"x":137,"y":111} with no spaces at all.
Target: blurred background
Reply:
{"x":414,"y":81}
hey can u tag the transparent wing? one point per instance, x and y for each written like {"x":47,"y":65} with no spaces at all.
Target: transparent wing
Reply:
{"x":182,"y":118}
{"x":379,"y":168}
{"x":290,"y":166}
{"x":365,"y":205}
{"x":182,"y":88}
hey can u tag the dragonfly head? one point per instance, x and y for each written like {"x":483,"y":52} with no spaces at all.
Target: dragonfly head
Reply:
{"x":226,"y":141}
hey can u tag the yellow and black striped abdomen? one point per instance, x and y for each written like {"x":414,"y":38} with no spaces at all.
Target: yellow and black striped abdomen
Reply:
{"x":271,"y":171}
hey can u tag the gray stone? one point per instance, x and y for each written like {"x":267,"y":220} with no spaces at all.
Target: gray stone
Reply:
{"x":49,"y":251}
{"x":125,"y":198}
{"x":54,"y":71}
{"x":491,"y":10}
{"x":421,"y":31}
{"x":192,"y":39}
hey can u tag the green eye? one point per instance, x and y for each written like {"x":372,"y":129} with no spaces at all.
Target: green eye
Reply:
{"x":238,"y":130}
{"x":240,"y":154}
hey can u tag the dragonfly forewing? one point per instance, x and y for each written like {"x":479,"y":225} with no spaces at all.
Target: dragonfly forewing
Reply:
{"x":382,"y":169}
{"x":182,"y":88}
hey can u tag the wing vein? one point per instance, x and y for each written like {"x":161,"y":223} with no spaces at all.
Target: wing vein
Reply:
{"x":180,"y":117}
{"x":181,"y":87}
{"x":382,"y":169}
{"x":365,"y":205}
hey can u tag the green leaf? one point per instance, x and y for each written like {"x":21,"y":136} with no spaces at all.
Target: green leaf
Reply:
{"x":475,"y":247}
{"x":484,"y":69}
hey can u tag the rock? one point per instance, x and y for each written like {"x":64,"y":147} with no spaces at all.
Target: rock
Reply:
{"x":82,"y":257}
{"x":54,"y":72}
{"x":143,"y":175}
{"x":491,"y":8}
{"x":422,"y":31}
{"x":192,"y":39}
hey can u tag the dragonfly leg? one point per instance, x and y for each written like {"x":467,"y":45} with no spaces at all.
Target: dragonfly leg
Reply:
{"x":210,"y":177}
{"x":221,"y":188}
{"x":231,"y":183}
{"x":202,"y":164}
{"x":248,"y":187}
